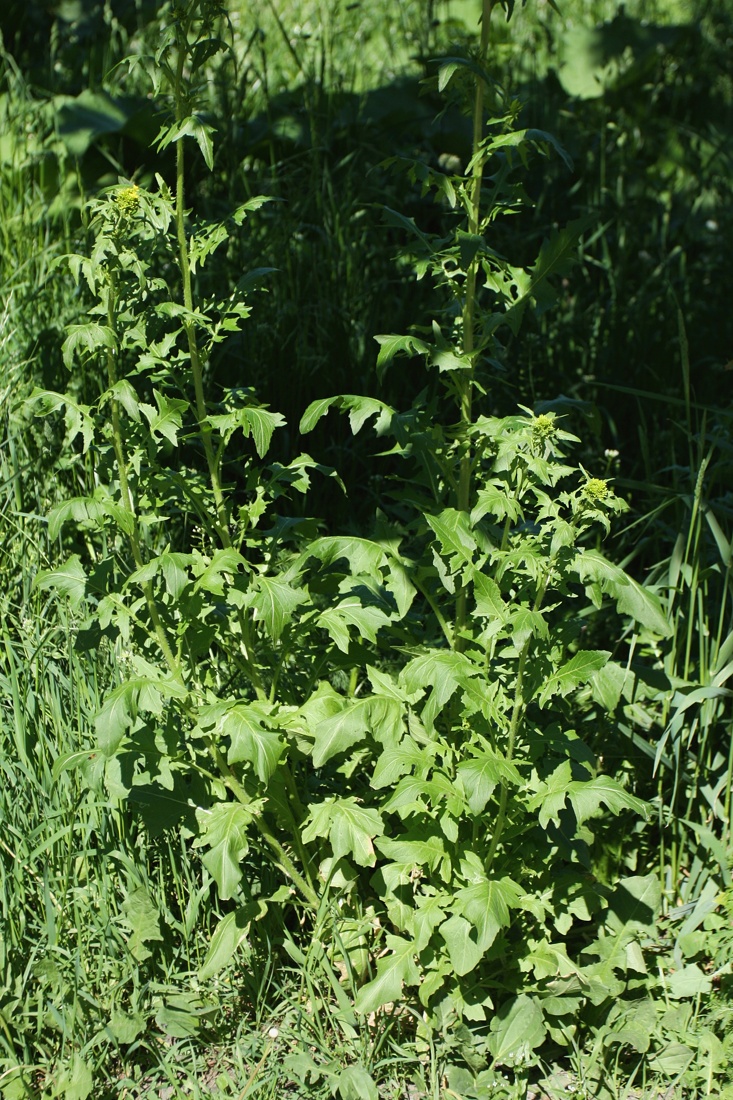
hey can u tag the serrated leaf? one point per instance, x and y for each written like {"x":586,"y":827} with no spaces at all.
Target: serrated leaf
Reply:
{"x":394,"y":970}
{"x":250,"y":740}
{"x":144,"y":920}
{"x":487,"y":904}
{"x":89,"y":338}
{"x":414,"y":848}
{"x":586,"y":797}
{"x":392,"y":346}
{"x":367,"y":620}
{"x":360,"y":410}
{"x":631,"y":598}
{"x":70,"y":580}
{"x":341,"y":731}
{"x":480,"y":776}
{"x":445,"y":670}
{"x":224,"y":831}
{"x":489,"y":601}
{"x":350,"y":827}
{"x":274,"y":601}
{"x":166,"y":421}
{"x":213,"y":573}
{"x":578,"y":670}
{"x":453,"y":530}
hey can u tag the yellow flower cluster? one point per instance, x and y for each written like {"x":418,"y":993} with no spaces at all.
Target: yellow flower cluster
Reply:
{"x":128,"y":199}
{"x":544,"y":427}
{"x":596,"y":489}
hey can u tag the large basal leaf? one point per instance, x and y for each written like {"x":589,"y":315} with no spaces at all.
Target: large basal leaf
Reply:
{"x":394,"y":970}
{"x":144,"y":921}
{"x":516,"y":1031}
{"x":354,"y":1083}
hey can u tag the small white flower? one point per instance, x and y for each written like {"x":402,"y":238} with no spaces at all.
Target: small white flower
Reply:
{"x":273,"y":1033}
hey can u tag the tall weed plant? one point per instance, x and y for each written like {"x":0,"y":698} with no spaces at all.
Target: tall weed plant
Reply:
{"x":375,"y":744}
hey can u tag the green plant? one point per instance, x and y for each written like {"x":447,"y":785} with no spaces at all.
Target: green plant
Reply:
{"x":374,"y":742}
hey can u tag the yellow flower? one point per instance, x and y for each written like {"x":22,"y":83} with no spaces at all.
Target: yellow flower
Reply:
{"x":596,"y":489}
{"x":128,"y":198}
{"x":544,"y":427}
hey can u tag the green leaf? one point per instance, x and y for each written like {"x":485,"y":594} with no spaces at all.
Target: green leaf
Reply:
{"x":414,"y":848}
{"x":212,"y":573}
{"x":168,"y":419}
{"x":231,"y":932}
{"x":253,"y":420}
{"x":223,"y":830}
{"x":250,"y":740}
{"x":487,"y":905}
{"x":481,"y":774}
{"x":274,"y":601}
{"x":631,"y":598}
{"x":74,"y":1080}
{"x":360,"y":410}
{"x":350,"y":827}
{"x":392,"y":346}
{"x":445,"y":670}
{"x":70,"y":581}
{"x":463,"y":950}
{"x":394,"y":970}
{"x":578,"y":670}
{"x":453,"y":529}
{"x":367,"y":619}
{"x":516,"y":1030}
{"x":354,"y":1083}
{"x":144,"y":920}
{"x":688,"y":982}
{"x":116,"y":716}
{"x":586,"y":797}
{"x":338,"y":733}
{"x":489,"y":601}
{"x":172,"y":565}
{"x":88,"y":338}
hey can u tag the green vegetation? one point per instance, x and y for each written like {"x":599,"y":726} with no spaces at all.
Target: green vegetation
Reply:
{"x":400,"y":768}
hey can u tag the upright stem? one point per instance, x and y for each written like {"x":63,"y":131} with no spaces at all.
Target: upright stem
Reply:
{"x":126,"y":495}
{"x":222,"y":516}
{"x":517,"y":711}
{"x":465,"y":383}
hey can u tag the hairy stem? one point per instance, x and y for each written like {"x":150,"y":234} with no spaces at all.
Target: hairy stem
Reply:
{"x":126,"y":495}
{"x":514,"y":723}
{"x":465,"y":383}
